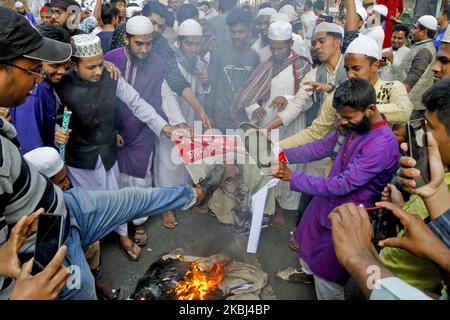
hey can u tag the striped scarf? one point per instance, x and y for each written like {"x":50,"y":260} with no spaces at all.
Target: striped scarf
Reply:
{"x":257,"y":88}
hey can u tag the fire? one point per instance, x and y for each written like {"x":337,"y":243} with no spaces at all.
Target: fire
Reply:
{"x":199,"y":282}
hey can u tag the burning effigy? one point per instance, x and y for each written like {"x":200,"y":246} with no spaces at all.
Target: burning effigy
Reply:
{"x":217,"y":277}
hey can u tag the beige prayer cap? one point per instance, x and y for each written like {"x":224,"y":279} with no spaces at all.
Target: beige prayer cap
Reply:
{"x":131,"y":11}
{"x":329,"y":27}
{"x":446,"y":37}
{"x":86,"y":45}
{"x":190,"y":27}
{"x":266,"y":12}
{"x":139,"y":25}
{"x":280,"y":30}
{"x":366,"y":46}
{"x":279,"y":17}
{"x":428,"y":22}
{"x":290,"y":12}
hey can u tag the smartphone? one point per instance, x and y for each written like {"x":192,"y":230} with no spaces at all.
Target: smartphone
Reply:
{"x":384,"y":223}
{"x":328,"y":19}
{"x":49,"y":239}
{"x":416,"y":136}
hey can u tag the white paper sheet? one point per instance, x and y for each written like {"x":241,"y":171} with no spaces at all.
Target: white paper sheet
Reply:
{"x":258,"y":203}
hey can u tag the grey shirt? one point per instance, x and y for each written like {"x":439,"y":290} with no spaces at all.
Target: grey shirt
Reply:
{"x":230,"y":68}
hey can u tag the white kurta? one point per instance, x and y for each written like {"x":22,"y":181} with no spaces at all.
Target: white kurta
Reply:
{"x":169,"y":168}
{"x":283,"y":85}
{"x":390,"y":72}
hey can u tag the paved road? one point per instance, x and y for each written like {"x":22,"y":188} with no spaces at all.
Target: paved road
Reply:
{"x":202,"y":235}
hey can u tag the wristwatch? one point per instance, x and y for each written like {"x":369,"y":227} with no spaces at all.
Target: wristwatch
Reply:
{"x":333,"y":87}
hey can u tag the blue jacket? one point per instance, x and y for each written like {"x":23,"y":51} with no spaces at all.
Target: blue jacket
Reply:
{"x":35,"y":119}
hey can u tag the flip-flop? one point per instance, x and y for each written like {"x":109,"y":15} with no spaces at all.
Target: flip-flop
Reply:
{"x":127,"y":252}
{"x":140,"y":232}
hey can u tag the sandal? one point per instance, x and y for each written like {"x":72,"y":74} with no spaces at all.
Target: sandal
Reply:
{"x":140,"y":236}
{"x":130,"y":253}
{"x":293,"y":243}
{"x":169,"y":221}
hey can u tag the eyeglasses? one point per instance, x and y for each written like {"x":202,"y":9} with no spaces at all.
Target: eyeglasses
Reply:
{"x":39,"y":72}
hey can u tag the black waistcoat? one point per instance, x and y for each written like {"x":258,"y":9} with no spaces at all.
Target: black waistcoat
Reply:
{"x":93,"y":120}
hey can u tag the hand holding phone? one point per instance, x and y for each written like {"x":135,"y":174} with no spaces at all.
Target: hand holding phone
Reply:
{"x":416,"y":136}
{"x":48,"y":240}
{"x":384,"y":223}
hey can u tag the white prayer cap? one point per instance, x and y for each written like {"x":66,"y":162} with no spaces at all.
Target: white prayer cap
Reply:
{"x":428,"y":22}
{"x":46,"y":160}
{"x":131,"y":11}
{"x":329,"y":27}
{"x":381,"y":9}
{"x":280,"y":30}
{"x":86,"y":45}
{"x":279,"y":17}
{"x":290,"y":12}
{"x":446,"y":37}
{"x":366,"y":46}
{"x":362,"y":12}
{"x":266,"y":12}
{"x":140,"y":3}
{"x":139,"y":25}
{"x":18,"y":4}
{"x":190,"y":27}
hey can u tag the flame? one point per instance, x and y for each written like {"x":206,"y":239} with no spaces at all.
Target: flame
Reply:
{"x":199,"y":282}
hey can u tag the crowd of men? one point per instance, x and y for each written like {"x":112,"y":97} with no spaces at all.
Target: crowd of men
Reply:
{"x":338,"y":91}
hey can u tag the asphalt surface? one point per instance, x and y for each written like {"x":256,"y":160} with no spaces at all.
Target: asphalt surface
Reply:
{"x":203,"y":235}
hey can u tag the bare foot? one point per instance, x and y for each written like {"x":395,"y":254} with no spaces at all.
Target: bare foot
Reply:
{"x":131,"y":249}
{"x":169,"y":221}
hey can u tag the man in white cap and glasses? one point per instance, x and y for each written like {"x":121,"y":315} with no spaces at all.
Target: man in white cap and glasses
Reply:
{"x":374,"y":24}
{"x":416,"y":69}
{"x":91,"y":156}
{"x":261,"y":45}
{"x":277,"y":79}
{"x":441,"y":69}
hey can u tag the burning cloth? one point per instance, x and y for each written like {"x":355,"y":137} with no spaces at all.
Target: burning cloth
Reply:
{"x":217,"y":277}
